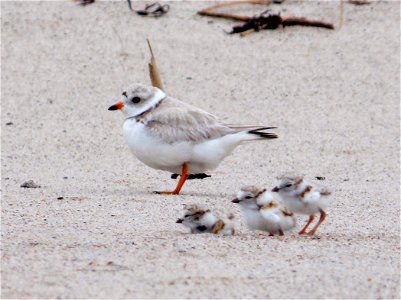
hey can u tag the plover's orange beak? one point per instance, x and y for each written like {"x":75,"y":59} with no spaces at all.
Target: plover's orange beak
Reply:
{"x":117,"y":106}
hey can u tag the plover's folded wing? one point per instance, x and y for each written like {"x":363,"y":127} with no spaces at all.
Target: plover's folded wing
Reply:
{"x":175,"y":121}
{"x":179,"y":124}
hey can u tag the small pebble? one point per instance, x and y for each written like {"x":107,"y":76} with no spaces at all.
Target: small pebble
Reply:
{"x":30,"y":184}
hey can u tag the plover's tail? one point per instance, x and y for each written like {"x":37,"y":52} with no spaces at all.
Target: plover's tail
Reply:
{"x":262,"y":134}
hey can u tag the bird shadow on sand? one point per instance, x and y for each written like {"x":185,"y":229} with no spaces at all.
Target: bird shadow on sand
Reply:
{"x":154,"y":193}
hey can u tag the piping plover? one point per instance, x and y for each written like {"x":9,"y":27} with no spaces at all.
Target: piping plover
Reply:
{"x":263,"y":212}
{"x":167,"y":134}
{"x":303,"y":198}
{"x":199,"y":220}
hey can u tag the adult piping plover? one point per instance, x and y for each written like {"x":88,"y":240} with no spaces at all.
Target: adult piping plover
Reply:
{"x":303,"y":198}
{"x":199,"y":220}
{"x":263,"y":212}
{"x":167,"y":134}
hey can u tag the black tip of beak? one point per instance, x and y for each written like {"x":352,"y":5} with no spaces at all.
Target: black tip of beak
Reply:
{"x":113,"y":107}
{"x":179,"y":221}
{"x":236,"y":200}
{"x":275,"y":189}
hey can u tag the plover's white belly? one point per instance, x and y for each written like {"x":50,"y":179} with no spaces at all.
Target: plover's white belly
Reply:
{"x":272,"y":222}
{"x":152,"y":151}
{"x":254,"y":220}
{"x":157,"y":154}
{"x":209,"y":154}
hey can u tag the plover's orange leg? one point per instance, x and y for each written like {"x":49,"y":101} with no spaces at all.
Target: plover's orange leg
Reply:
{"x":183,"y":178}
{"x":322,"y":217}
{"x":303,"y":230}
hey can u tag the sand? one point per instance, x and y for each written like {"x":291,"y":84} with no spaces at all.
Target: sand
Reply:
{"x":93,"y":228}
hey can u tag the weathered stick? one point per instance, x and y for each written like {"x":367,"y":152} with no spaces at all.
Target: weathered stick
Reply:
{"x":209,"y":11}
{"x":292,"y":21}
{"x":359,"y":2}
{"x":263,"y":21}
{"x":153,"y":71}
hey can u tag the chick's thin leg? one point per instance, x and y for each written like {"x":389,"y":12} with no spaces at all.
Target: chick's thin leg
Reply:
{"x":303,"y":230}
{"x":183,"y":178}
{"x":321,"y":219}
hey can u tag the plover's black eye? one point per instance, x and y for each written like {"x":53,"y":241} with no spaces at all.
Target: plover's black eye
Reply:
{"x":288,"y":185}
{"x":136,"y":100}
{"x":248,"y":197}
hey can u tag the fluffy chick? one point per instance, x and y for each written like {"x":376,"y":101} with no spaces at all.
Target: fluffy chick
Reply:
{"x":263,"y":212}
{"x":303,"y":198}
{"x":199,"y":220}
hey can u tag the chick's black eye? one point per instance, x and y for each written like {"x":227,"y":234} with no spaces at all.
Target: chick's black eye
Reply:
{"x":248,"y":197}
{"x":288,"y":185}
{"x":136,"y":100}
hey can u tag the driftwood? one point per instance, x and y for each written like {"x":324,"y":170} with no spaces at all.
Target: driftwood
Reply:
{"x":359,"y":2}
{"x":266,"y":20}
{"x":210,"y":11}
{"x":84,"y":2}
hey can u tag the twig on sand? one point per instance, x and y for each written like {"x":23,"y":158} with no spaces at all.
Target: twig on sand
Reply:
{"x":359,"y":2}
{"x":129,"y":4}
{"x":210,"y":11}
{"x":84,"y":2}
{"x":153,"y":71}
{"x":266,"y":20}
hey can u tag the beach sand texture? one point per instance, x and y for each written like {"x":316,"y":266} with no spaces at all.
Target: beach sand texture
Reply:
{"x":93,"y":228}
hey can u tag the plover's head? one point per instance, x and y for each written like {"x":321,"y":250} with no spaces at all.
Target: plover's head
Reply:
{"x":287,"y":184}
{"x":138,"y":98}
{"x":192,"y":214}
{"x":247,"y":197}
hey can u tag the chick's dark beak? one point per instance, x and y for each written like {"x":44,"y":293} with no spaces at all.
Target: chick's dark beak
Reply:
{"x":236,"y":200}
{"x":117,"y":106}
{"x":179,"y":221}
{"x":275,"y":189}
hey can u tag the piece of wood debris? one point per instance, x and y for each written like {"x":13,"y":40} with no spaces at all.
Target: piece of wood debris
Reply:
{"x":266,"y":20}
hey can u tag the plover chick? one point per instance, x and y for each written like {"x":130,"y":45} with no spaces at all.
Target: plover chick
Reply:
{"x":199,"y":220}
{"x":263,"y":212}
{"x":167,"y":134}
{"x":301,"y":197}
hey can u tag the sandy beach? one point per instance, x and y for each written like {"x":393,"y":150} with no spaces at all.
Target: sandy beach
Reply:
{"x":95,"y":230}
